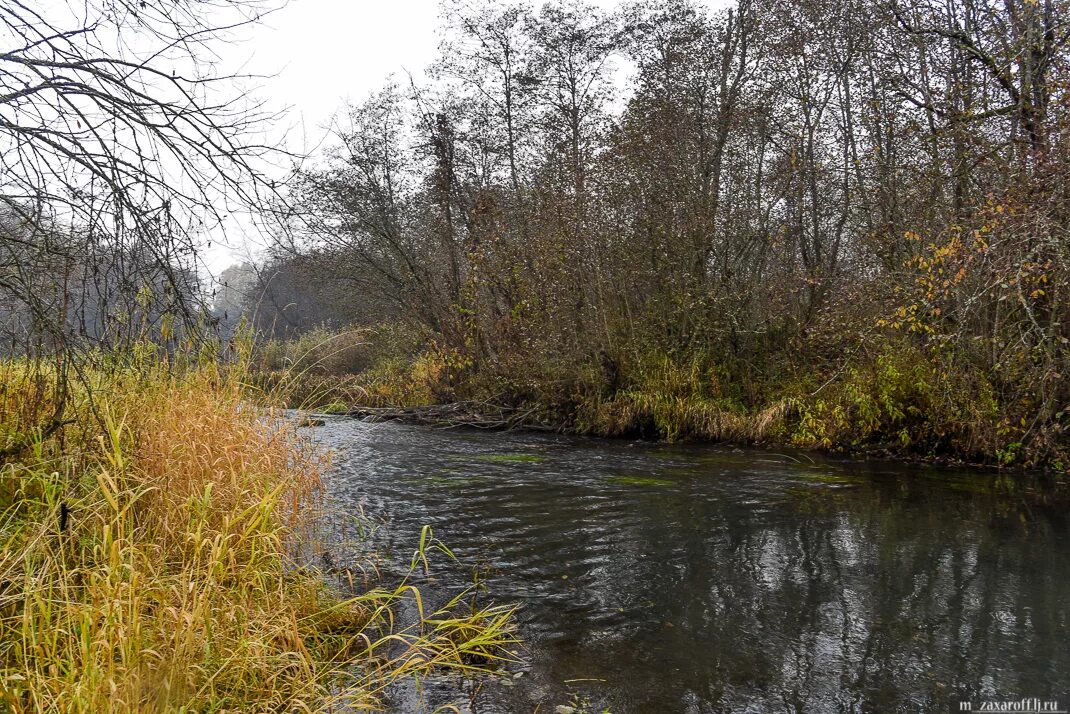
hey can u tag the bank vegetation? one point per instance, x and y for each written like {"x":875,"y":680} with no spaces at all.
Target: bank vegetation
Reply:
{"x":160,"y":556}
{"x":831,"y":224}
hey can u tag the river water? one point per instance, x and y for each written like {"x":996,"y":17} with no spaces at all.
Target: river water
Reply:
{"x":666,"y":578}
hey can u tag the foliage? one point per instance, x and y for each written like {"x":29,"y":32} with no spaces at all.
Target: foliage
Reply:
{"x":850,"y":218}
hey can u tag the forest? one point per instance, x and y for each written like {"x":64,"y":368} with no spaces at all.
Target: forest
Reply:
{"x":837,"y":225}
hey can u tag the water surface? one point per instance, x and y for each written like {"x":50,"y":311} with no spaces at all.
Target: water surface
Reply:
{"x":658,"y":578}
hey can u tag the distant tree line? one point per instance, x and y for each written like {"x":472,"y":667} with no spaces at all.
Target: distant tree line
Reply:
{"x":121,"y":151}
{"x":63,"y":290}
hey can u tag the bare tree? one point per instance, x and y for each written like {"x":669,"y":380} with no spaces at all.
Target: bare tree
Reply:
{"x":122,"y":146}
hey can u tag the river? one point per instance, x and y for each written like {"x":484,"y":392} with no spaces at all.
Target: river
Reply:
{"x":696,"y":578}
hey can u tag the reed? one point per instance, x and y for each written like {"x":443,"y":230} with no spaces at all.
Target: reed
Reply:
{"x":147,"y":561}
{"x":677,"y":418}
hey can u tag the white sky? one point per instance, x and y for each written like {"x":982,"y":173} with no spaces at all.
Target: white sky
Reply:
{"x":322,"y":53}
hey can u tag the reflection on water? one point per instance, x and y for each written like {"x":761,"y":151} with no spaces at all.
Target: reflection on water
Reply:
{"x":658,"y":578}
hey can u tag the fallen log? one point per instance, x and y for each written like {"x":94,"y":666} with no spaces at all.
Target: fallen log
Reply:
{"x":480,"y":415}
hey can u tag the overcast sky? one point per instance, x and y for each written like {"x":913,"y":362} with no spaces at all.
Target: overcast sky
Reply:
{"x":322,"y":53}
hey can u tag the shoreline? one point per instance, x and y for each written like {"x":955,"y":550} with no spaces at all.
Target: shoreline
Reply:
{"x":422,"y":416}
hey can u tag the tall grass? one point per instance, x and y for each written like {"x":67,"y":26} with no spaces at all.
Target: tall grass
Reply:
{"x":676,"y":418}
{"x":318,"y":369}
{"x":146,"y":562}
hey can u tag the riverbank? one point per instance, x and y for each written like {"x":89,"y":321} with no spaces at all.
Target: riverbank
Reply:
{"x":148,"y":557}
{"x":883,"y":397}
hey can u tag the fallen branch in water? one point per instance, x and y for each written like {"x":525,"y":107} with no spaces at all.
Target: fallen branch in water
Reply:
{"x":481,"y":415}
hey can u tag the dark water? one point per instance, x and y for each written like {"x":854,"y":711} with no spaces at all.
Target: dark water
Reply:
{"x":657,"y":578}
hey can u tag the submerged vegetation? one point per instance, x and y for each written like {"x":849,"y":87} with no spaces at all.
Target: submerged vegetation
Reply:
{"x":149,"y":560}
{"x":640,"y":481}
{"x":512,"y":458}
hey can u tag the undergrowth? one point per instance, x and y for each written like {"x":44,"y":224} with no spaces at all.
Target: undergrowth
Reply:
{"x":887,"y":394}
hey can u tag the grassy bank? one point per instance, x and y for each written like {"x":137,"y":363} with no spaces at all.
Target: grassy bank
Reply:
{"x":146,"y":561}
{"x":884,"y":394}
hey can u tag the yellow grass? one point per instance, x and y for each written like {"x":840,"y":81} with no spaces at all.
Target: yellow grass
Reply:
{"x":145,"y":561}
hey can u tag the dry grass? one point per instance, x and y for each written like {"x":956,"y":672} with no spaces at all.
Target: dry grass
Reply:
{"x":145,"y":563}
{"x":679,"y":418}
